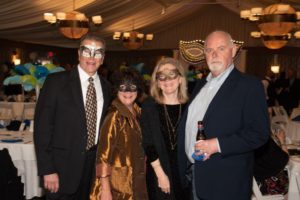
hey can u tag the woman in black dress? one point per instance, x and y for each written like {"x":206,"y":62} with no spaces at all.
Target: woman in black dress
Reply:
{"x":161,"y":114}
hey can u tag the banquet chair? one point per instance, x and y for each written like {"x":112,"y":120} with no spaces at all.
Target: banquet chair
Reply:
{"x":29,"y":109}
{"x":280,"y":111}
{"x":295,"y":113}
{"x":280,"y":122}
{"x":259,"y":196}
{"x":6,"y":112}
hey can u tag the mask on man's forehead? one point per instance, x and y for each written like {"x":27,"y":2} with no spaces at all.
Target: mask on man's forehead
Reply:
{"x":91,"y":51}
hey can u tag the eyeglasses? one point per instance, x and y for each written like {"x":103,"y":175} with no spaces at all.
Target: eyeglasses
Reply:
{"x":91,"y":52}
{"x":170,"y":75}
{"x":127,"y":88}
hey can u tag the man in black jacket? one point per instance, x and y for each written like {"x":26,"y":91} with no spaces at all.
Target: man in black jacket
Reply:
{"x":62,"y":138}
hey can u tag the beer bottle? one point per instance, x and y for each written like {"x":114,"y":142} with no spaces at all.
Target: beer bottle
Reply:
{"x":200,"y":136}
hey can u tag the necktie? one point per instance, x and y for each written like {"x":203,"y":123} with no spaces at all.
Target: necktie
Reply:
{"x":91,"y":113}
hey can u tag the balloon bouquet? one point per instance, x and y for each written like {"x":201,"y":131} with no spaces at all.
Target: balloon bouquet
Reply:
{"x":31,"y":76}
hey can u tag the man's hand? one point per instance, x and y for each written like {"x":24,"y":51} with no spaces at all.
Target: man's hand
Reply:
{"x":51,"y":182}
{"x":206,"y":147}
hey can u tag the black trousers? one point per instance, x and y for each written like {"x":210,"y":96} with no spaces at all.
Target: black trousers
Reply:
{"x":83,"y":190}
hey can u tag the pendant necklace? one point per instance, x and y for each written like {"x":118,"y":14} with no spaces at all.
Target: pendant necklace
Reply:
{"x":171,"y":129}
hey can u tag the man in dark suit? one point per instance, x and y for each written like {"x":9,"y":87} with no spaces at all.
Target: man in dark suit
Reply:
{"x":64,"y":142}
{"x":233,"y":109}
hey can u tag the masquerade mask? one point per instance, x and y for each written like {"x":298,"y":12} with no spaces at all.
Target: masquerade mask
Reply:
{"x":169,"y":75}
{"x":90,"y":51}
{"x":127,"y":88}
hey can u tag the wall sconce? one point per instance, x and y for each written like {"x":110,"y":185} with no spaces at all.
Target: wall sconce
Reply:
{"x":275,"y":69}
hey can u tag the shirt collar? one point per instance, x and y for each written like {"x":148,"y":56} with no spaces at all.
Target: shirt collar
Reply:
{"x":222,"y":76}
{"x":84,"y":76}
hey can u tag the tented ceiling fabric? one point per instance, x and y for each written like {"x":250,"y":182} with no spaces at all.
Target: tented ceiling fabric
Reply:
{"x":22,"y":20}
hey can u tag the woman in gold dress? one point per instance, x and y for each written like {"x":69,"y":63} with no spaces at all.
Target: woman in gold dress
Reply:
{"x":120,"y":157}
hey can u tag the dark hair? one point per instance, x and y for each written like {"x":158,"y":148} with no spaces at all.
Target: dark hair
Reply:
{"x":94,"y":38}
{"x":129,"y":75}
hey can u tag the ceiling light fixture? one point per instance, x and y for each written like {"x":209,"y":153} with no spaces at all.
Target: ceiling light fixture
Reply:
{"x":72,"y":24}
{"x":132,"y":40}
{"x":276,"y":22}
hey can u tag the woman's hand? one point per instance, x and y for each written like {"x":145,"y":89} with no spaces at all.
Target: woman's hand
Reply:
{"x":105,"y":189}
{"x":162,"y":178}
{"x":106,"y":195}
{"x":163,"y":183}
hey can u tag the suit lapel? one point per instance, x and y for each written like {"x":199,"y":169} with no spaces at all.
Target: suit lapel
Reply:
{"x":77,"y":93}
{"x":222,"y":93}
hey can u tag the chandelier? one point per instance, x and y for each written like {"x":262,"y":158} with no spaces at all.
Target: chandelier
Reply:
{"x":72,"y":24}
{"x":133,"y":39}
{"x":276,"y":23}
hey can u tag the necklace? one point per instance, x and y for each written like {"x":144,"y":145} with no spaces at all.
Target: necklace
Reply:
{"x":172,"y":128}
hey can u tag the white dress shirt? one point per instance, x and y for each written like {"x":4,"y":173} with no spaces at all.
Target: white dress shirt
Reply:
{"x":84,"y":85}
{"x":198,"y":108}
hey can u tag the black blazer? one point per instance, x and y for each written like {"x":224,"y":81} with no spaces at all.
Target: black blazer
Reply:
{"x":60,"y":132}
{"x":238,"y":117}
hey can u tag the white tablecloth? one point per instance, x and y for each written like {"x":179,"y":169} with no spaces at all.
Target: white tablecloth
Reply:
{"x":23,"y":156}
{"x":294,"y":184}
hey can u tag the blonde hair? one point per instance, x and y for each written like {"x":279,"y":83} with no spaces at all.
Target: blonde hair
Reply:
{"x":156,"y":92}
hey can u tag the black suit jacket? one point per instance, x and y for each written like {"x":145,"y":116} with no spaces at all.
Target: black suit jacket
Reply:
{"x":60,"y":132}
{"x":238,"y":117}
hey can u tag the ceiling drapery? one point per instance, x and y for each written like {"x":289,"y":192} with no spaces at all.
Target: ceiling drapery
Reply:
{"x":22,"y":20}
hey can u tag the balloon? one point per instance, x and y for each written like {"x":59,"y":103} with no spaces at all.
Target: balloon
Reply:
{"x":12,"y":80}
{"x":41,"y":71}
{"x":57,"y":69}
{"x":32,"y":70}
{"x":28,"y":65}
{"x":50,"y":66}
{"x":41,"y":81}
{"x":30,"y":75}
{"x":27,"y":87}
{"x":29,"y":80}
{"x":21,"y":70}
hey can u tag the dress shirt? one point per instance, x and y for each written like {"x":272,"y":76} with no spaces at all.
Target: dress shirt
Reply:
{"x":84,"y":85}
{"x":198,"y":107}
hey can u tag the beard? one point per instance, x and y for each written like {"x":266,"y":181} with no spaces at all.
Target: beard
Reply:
{"x":215,"y":66}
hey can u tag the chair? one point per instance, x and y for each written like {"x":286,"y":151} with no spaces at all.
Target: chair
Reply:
{"x":6,"y":112}
{"x":258,"y":195}
{"x":280,"y":122}
{"x":295,"y":112}
{"x":29,"y":109}
{"x":280,"y":111}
